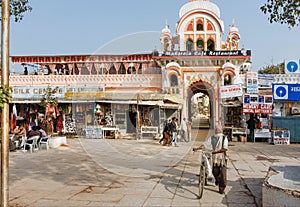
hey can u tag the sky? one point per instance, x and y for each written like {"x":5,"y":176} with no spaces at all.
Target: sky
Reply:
{"x":68,"y":27}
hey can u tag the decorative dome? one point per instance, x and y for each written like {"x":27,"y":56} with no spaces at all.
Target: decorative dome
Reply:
{"x":166,"y":30}
{"x":233,"y":28}
{"x":228,"y":65}
{"x":172,"y":64}
{"x":199,"y":5}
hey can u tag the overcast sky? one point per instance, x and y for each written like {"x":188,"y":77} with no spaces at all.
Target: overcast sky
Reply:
{"x":66,"y":27}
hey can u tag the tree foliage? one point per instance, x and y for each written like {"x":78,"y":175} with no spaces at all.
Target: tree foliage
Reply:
{"x":272,"y":69}
{"x":283,"y":11}
{"x":5,"y":96}
{"x":49,"y":97}
{"x":18,"y":8}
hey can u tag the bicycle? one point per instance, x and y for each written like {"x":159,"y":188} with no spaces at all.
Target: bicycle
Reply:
{"x":204,"y":168}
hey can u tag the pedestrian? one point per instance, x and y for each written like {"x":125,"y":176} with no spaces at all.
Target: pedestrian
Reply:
{"x":218,"y":144}
{"x":189,"y":130}
{"x":183,"y":128}
{"x":251,"y":126}
{"x":173,"y":130}
{"x":166,"y":136}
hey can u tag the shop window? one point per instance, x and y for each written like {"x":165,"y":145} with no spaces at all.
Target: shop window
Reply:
{"x":174,"y":80}
{"x":210,"y":45}
{"x":189,"y":45}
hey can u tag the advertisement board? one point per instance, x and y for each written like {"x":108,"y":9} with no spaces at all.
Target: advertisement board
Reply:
{"x":257,"y":104}
{"x":252,"y":82}
{"x":231,"y":91}
{"x":286,"y":92}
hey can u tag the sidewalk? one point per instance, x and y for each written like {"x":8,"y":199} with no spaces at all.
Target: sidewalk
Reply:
{"x":97,"y":172}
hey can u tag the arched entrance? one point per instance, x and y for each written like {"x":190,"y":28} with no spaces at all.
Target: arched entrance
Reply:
{"x":200,"y":105}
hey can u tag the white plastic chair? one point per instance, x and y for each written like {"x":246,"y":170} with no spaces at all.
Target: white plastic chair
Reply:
{"x":44,"y":141}
{"x":33,"y":145}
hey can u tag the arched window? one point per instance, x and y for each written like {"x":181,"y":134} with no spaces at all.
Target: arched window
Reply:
{"x":190,"y":27}
{"x":199,"y":26}
{"x":93,"y":71}
{"x":122,"y":69}
{"x":227,"y":80}
{"x":166,"y":44}
{"x":189,"y":45}
{"x":131,"y":70}
{"x":84,"y":70}
{"x":173,"y":80}
{"x":210,"y":45}
{"x":210,"y":26}
{"x":200,"y":45}
{"x":112,"y":69}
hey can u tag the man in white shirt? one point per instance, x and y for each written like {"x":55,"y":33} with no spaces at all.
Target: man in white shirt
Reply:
{"x":218,"y":144}
{"x":183,"y":128}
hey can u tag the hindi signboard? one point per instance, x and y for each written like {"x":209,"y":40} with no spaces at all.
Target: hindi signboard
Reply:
{"x":230,"y":91}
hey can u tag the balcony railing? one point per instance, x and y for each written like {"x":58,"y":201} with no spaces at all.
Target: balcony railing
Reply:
{"x":119,"y":81}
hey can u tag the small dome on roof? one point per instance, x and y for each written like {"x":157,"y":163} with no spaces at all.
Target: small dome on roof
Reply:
{"x":228,"y":65}
{"x":173,"y":64}
{"x":166,"y":30}
{"x":198,"y":5}
{"x":233,"y":28}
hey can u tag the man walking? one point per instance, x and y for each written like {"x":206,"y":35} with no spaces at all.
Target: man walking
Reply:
{"x":173,"y":130}
{"x":218,"y":144}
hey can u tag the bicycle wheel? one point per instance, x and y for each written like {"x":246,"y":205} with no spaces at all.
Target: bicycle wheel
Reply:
{"x":201,"y":180}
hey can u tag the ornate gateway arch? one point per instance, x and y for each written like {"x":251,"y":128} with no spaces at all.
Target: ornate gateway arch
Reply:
{"x":196,"y":62}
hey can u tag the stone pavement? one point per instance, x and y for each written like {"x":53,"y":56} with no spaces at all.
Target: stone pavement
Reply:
{"x":109,"y":172}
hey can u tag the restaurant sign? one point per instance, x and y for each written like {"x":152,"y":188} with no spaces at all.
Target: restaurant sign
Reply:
{"x":81,"y":59}
{"x":206,"y":53}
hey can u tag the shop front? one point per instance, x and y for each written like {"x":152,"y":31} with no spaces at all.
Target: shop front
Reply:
{"x":259,"y":108}
{"x":286,"y":113}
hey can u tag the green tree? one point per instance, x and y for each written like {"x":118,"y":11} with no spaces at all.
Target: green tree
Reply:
{"x":272,"y":69}
{"x":18,"y":8}
{"x":49,"y":97}
{"x":283,"y":11}
{"x":5,"y":95}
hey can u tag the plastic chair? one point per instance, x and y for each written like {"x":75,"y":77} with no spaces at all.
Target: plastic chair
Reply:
{"x":32,"y":145}
{"x":44,"y":141}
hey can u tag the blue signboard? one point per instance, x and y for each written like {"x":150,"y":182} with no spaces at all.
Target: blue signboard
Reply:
{"x":286,"y":92}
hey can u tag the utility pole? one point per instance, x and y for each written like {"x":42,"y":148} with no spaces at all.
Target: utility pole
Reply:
{"x":5,"y":110}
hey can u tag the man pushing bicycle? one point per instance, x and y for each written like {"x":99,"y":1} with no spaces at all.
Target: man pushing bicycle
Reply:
{"x":218,"y":144}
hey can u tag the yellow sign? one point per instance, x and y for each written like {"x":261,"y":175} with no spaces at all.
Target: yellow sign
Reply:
{"x":84,"y":94}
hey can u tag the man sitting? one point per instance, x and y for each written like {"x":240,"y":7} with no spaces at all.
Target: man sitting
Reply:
{"x":19,"y":133}
{"x":33,"y":132}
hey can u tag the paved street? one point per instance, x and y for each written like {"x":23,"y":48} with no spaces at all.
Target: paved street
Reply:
{"x":109,"y":172}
